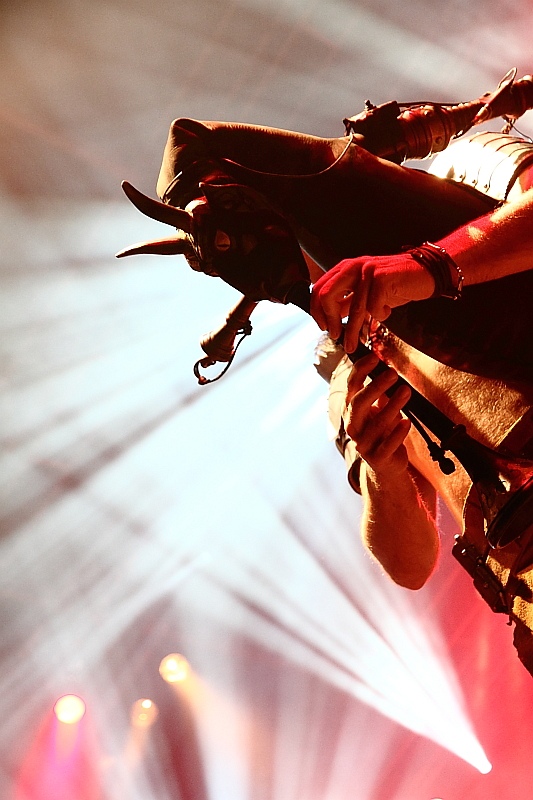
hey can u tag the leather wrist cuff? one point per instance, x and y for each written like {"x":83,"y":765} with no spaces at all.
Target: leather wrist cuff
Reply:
{"x":446,"y":273}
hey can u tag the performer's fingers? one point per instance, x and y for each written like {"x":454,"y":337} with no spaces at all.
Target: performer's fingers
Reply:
{"x":361,"y":369}
{"x":362,"y":280}
{"x":356,"y":317}
{"x":363,"y":421}
{"x":394,"y":440}
{"x":379,"y":309}
{"x":320,"y":290}
{"x":366,"y":395}
{"x":335,"y":306}
{"x":335,"y":295}
{"x":389,"y":411}
{"x":372,"y":428}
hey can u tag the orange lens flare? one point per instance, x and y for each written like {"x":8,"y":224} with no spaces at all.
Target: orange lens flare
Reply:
{"x":143,"y":713}
{"x":174,"y":668}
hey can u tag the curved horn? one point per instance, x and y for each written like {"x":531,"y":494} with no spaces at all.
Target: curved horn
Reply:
{"x":170,"y":215}
{"x":171,"y":246}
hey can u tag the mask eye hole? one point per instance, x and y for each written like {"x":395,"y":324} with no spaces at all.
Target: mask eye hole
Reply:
{"x":222,"y":241}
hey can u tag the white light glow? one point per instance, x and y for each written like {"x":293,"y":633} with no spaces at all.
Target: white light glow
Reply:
{"x":69,"y":709}
{"x":339,"y":619}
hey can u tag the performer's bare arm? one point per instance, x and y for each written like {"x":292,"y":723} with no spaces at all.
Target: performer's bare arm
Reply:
{"x":493,"y":246}
{"x":398,"y":525}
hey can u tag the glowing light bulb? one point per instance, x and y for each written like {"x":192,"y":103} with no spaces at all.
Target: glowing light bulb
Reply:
{"x":69,"y":709}
{"x":174,"y":668}
{"x":143,"y":713}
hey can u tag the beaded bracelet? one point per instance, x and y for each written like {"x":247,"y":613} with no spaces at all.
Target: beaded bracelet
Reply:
{"x":446,"y":273}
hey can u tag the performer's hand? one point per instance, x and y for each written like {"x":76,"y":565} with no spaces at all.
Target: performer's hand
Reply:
{"x":366,"y":285}
{"x":373,"y":420}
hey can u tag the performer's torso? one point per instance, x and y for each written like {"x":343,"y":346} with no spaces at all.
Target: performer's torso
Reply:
{"x":488,"y":408}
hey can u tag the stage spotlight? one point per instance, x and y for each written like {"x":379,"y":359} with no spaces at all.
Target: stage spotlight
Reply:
{"x":69,"y":709}
{"x":143,"y":713}
{"x":174,"y":668}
